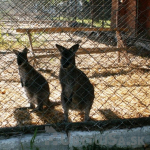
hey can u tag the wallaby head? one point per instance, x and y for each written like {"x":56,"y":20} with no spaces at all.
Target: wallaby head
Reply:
{"x":21,"y":56}
{"x":67,"y":55}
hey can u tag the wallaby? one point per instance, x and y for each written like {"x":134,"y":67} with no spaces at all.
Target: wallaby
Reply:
{"x":77,"y":91}
{"x":35,"y":85}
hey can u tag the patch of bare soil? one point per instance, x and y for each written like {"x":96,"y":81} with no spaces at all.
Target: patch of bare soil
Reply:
{"x":121,"y":90}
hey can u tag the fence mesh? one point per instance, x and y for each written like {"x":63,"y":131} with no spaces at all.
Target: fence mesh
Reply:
{"x":113,"y":38}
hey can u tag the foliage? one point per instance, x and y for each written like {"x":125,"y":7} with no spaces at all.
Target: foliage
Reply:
{"x":33,"y":140}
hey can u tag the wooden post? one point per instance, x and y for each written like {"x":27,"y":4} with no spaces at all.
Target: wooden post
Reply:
{"x":113,"y":13}
{"x":30,"y":41}
{"x":121,"y":44}
{"x":114,"y":22}
{"x":91,"y":7}
{"x":117,"y":33}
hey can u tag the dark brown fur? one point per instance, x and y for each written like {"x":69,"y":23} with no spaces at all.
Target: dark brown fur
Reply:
{"x":35,"y":85}
{"x":77,"y":91}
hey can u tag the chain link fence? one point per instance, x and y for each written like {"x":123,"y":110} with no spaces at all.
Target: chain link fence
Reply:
{"x":113,"y":38}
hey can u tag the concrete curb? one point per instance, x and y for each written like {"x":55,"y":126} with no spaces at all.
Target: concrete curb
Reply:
{"x":136,"y":137}
{"x":43,"y":141}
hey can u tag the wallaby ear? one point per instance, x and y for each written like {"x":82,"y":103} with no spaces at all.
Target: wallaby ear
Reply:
{"x":25,"y":50}
{"x":16,"y":52}
{"x":60,"y":48}
{"x":74,"y":48}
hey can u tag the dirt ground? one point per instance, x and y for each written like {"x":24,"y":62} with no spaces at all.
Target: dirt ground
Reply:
{"x":121,"y":89}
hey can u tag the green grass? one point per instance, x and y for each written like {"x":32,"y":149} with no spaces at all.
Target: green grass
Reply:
{"x":32,"y":147}
{"x":33,"y":140}
{"x":6,"y":41}
{"x":86,"y":21}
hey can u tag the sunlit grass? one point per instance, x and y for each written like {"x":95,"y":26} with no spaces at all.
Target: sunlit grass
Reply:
{"x":19,"y":41}
{"x":100,"y":23}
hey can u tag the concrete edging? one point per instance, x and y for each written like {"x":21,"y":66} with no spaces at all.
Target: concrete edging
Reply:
{"x":136,"y":137}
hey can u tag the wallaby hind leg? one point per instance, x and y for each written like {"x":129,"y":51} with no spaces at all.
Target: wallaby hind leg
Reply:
{"x":65,"y":107}
{"x":32,"y":106}
{"x":66,"y":113}
{"x":30,"y":97}
{"x":86,"y":117}
{"x":40,"y":104}
{"x":47,"y":103}
{"x":87,"y":112}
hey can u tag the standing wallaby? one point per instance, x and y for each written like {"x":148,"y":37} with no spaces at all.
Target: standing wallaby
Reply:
{"x":35,"y":85}
{"x":77,"y":91}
